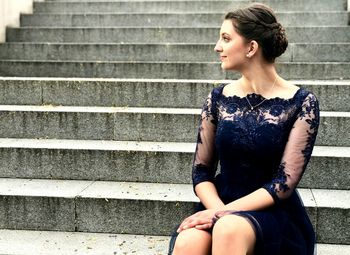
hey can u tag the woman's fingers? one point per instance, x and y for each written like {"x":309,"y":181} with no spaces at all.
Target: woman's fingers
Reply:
{"x":204,"y":226}
{"x":200,"y":220}
{"x":186,"y":222}
{"x":201,"y":223}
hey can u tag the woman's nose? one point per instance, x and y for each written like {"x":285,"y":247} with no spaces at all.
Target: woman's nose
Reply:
{"x":218,"y":47}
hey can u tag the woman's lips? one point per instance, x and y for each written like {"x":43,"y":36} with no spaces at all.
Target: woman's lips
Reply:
{"x":222,"y":58}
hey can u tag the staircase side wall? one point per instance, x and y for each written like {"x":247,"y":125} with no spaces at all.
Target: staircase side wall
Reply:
{"x":10,"y":11}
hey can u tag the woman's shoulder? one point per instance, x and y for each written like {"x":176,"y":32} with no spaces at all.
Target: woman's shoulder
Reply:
{"x":303,"y":94}
{"x":229,"y":87}
{"x":296,"y":93}
{"x":217,"y":90}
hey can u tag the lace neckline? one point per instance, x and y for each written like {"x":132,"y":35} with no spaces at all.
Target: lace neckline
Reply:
{"x":258,"y":96}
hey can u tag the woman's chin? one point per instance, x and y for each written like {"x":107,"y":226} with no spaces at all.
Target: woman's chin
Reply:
{"x":224,"y":66}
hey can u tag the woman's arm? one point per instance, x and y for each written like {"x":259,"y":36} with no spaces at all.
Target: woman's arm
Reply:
{"x":257,"y":200}
{"x":208,"y":195}
{"x":205,"y":159}
{"x":204,"y":165}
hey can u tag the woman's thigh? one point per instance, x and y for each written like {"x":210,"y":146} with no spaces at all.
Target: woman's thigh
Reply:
{"x":193,"y":241}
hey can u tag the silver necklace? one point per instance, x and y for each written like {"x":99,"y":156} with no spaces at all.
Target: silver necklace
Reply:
{"x":253,"y":106}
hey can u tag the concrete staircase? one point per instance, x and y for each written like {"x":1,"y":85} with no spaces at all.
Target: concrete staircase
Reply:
{"x":99,"y":110}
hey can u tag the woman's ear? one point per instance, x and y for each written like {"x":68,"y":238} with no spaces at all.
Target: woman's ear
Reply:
{"x":252,"y":48}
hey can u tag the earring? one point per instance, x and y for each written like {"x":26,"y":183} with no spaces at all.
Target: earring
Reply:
{"x":248,"y":56}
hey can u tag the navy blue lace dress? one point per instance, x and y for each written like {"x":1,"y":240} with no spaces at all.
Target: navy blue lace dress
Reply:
{"x":267,"y":147}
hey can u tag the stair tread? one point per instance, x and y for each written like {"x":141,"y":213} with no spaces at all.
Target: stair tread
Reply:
{"x":144,"y":191}
{"x":182,"y":81}
{"x":69,"y":243}
{"x":80,"y":243}
{"x":71,"y":144}
{"x":147,"y":110}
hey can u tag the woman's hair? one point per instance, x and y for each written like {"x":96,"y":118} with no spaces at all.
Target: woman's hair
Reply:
{"x":258,"y":22}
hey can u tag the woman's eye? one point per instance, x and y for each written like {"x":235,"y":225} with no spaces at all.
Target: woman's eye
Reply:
{"x":226,"y":39}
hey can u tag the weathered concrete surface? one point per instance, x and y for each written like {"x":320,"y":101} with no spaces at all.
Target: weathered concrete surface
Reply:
{"x":77,"y":243}
{"x":38,"y":204}
{"x":163,"y":70}
{"x":140,"y":162}
{"x":338,"y":34}
{"x":134,"y":208}
{"x":132,"y":124}
{"x":119,"y":207}
{"x":143,"y":93}
{"x":174,"y":19}
{"x":333,"y":217}
{"x":160,"y":52}
{"x":184,"y":6}
{"x":73,"y":125}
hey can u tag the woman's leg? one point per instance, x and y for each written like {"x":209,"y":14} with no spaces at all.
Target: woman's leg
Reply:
{"x":233,"y":235}
{"x":193,"y":242}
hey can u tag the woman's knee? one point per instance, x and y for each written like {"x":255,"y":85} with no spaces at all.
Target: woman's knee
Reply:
{"x":192,"y":241}
{"x":233,"y":227}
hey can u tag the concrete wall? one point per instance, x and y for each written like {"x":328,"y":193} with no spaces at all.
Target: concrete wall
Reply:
{"x":10,"y":11}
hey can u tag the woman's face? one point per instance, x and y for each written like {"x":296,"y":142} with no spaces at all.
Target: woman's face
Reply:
{"x":232,"y":48}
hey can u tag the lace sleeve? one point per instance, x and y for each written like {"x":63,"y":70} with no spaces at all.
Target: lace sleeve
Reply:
{"x":205,"y":159}
{"x":298,"y":150}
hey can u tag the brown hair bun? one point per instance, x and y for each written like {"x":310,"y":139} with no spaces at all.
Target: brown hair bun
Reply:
{"x":258,"y":22}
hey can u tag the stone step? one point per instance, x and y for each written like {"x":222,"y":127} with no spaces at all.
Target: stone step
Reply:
{"x":183,"y":6}
{"x":336,"y":34}
{"x":332,"y":95}
{"x":79,"y":243}
{"x":115,"y":207}
{"x":131,"y":124}
{"x":315,"y":52}
{"x":163,"y":70}
{"x":178,"y":19}
{"x":140,"y":162}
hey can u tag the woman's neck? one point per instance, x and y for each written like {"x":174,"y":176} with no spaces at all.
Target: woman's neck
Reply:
{"x":260,"y":80}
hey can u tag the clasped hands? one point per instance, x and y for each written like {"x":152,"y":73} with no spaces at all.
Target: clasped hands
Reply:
{"x":203,"y":220}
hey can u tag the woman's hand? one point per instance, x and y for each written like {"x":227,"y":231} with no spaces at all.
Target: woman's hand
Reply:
{"x":200,"y":220}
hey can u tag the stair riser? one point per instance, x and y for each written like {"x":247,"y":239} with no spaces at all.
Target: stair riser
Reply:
{"x":163,"y":35}
{"x":333,"y":131}
{"x":164,"y":20}
{"x":184,"y":6}
{"x":193,"y":53}
{"x":138,"y":93}
{"x":333,"y":225}
{"x":157,"y":70}
{"x":124,"y":216}
{"x":322,"y":172}
{"x":37,"y":213}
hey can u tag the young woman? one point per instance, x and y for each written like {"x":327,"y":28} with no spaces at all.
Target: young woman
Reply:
{"x":262,"y":129}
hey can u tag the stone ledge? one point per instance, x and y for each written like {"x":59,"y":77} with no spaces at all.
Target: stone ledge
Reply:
{"x":163,"y":35}
{"x":174,"y":18}
{"x":331,"y":52}
{"x":131,"y":124}
{"x":119,"y":207}
{"x":110,"y":161}
{"x":166,"y":70}
{"x":79,"y":243}
{"x":143,"y":92}
{"x":187,"y":6}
